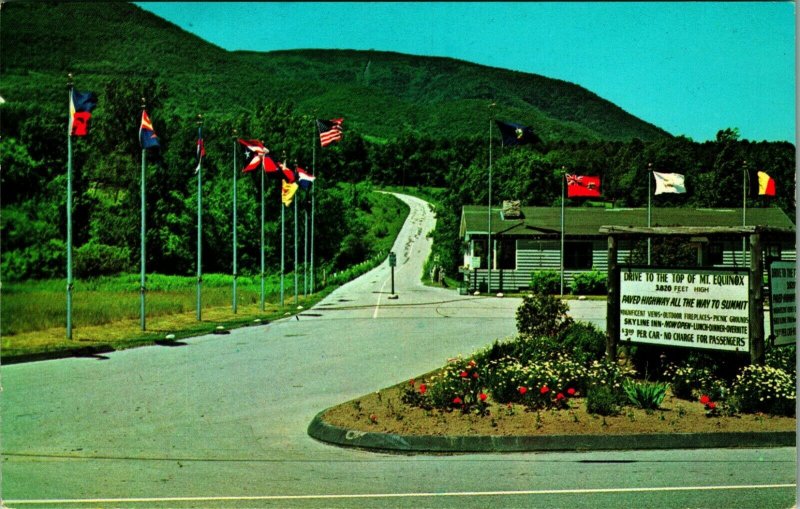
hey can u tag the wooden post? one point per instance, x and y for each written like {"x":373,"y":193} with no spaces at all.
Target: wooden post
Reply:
{"x":756,"y":301}
{"x":612,"y":304}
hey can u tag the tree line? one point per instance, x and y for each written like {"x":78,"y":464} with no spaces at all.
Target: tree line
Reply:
{"x":107,"y":168}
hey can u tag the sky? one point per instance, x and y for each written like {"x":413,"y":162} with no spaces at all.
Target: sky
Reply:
{"x":691,"y":68}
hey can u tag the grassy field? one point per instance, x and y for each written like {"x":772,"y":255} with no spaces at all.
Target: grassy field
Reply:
{"x":105,"y":313}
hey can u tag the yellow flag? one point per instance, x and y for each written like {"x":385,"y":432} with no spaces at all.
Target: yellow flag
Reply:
{"x":287,"y":192}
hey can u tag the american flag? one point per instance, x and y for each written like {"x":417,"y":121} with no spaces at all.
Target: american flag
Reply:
{"x":330,"y":131}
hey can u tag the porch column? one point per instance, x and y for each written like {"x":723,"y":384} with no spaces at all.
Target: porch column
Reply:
{"x":612,"y":302}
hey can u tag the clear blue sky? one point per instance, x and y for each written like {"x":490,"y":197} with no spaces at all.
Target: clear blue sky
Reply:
{"x":690,"y":68}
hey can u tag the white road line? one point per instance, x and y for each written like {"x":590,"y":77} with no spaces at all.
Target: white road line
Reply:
{"x":398,"y":495}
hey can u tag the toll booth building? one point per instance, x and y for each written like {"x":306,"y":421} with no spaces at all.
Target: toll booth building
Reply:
{"x":528,"y":239}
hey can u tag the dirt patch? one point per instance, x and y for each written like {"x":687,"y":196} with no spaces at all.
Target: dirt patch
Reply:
{"x":384,"y":412}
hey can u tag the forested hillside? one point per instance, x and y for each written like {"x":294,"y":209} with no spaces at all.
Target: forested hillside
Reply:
{"x":409,"y":120}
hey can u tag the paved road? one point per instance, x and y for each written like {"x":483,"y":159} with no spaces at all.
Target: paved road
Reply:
{"x":221,"y":421}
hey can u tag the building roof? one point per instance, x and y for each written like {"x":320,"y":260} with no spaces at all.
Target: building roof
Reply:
{"x":546,"y":221}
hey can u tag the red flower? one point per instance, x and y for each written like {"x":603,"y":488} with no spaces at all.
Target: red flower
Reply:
{"x":711,"y":405}
{"x":482,"y":396}
{"x":571,"y":391}
{"x":475,"y":375}
{"x":411,"y":382}
{"x":464,"y":374}
{"x":545,"y":389}
{"x":373,"y":418}
{"x":560,"y":396}
{"x":523,"y":390}
{"x":472,"y":363}
{"x":457,"y":400}
{"x":422,"y":388}
{"x":704,"y":399}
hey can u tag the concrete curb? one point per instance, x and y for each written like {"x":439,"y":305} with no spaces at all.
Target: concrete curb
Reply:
{"x":325,"y":432}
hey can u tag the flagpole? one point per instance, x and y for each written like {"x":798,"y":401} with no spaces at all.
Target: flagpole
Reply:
{"x":313,"y":187}
{"x":69,"y":215}
{"x":199,"y":222}
{"x":263,"y":288}
{"x":563,"y":177}
{"x":296,"y":275}
{"x":649,"y":210}
{"x":142,"y":320}
{"x":305,"y":250}
{"x":744,"y":209}
{"x":283,"y":230}
{"x":490,"y":257}
{"x":234,"y":221}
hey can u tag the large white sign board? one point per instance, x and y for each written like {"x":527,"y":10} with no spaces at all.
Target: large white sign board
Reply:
{"x":685,"y":308}
{"x":783,"y":309}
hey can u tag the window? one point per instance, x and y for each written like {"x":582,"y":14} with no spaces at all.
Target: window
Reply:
{"x":577,"y":255}
{"x":714,"y":254}
{"x":507,"y":256}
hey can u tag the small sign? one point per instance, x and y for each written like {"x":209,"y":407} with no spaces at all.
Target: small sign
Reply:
{"x":392,"y":259}
{"x":685,"y":308}
{"x":783,"y":307}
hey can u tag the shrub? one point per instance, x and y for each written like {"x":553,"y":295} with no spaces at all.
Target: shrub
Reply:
{"x":547,"y":282}
{"x":542,"y":315}
{"x":95,"y":259}
{"x":602,"y":400}
{"x":589,"y":283}
{"x":607,"y":373}
{"x":584,"y":342}
{"x":512,"y":381}
{"x":686,"y":380}
{"x":416,"y":395}
{"x":782,"y":357}
{"x":646,"y":395}
{"x":459,"y":386}
{"x":764,"y":389}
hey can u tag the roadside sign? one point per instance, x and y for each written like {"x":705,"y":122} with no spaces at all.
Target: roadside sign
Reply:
{"x":782,"y":304}
{"x":392,"y":259}
{"x":707,"y":309}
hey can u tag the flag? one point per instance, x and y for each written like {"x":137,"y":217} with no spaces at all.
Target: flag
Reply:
{"x":81,"y":105}
{"x":287,"y":192}
{"x":201,"y":149}
{"x":304,"y":179}
{"x":330,"y":131}
{"x":582,"y":185}
{"x":516,"y":134}
{"x":270,"y":166}
{"x":254,"y":154}
{"x":286,"y":174}
{"x":669,"y":183}
{"x":766,"y":184}
{"x":147,"y":137}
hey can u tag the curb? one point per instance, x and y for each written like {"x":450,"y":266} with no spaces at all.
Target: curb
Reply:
{"x":325,"y":432}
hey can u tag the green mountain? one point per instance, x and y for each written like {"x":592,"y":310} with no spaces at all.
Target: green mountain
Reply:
{"x":380,"y":94}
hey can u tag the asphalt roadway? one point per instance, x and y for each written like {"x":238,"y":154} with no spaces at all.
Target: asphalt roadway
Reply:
{"x":220,"y":421}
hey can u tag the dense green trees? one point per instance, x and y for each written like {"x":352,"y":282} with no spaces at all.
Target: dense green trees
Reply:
{"x":107,"y":167}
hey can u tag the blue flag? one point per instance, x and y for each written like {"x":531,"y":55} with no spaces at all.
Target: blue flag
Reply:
{"x":516,"y":134}
{"x":147,"y":137}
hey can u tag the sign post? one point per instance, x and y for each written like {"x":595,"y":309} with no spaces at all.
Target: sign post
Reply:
{"x":392,"y":264}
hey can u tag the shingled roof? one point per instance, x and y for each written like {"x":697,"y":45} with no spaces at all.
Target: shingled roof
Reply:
{"x":538,"y":221}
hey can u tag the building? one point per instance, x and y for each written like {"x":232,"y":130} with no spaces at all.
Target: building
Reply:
{"x":528,"y":239}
